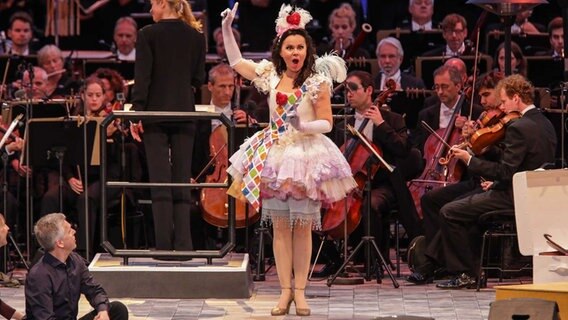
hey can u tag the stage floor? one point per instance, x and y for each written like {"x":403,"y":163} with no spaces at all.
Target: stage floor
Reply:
{"x":366,"y":301}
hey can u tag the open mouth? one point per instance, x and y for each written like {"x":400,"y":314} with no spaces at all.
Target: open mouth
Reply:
{"x":295,"y":61}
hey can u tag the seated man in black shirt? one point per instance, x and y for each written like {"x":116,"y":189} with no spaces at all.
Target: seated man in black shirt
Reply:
{"x":55,"y":284}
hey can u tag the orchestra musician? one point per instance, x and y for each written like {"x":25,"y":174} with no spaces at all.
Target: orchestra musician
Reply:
{"x":125,"y":38}
{"x":529,"y":144}
{"x":387,"y":130}
{"x":454,"y":31}
{"x":59,"y":84}
{"x":286,"y":158}
{"x":170,"y":60}
{"x":448,"y":83}
{"x":222,"y":86}
{"x":20,"y":32}
{"x":435,"y":199}
{"x":342,"y":24}
{"x":92,"y":97}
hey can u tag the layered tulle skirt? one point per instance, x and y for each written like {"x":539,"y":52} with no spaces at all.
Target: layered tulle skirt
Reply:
{"x":301,"y":172}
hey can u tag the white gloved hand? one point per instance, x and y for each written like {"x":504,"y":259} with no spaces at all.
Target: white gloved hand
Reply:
{"x":315,"y":126}
{"x":231,"y":47}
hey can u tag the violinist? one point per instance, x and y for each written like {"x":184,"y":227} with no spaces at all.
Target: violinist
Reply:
{"x":113,"y":84}
{"x":387,"y":130}
{"x":530,"y":143}
{"x":92,"y":97}
{"x":424,"y":270}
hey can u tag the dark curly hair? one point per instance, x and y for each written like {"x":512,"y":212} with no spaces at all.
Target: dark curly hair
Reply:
{"x":114,"y":78}
{"x":309,"y":64}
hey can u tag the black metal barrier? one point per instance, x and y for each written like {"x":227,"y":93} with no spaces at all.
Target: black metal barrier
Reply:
{"x":163,"y":116}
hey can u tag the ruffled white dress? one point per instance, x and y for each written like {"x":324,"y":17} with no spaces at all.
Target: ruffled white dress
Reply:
{"x":301,"y":171}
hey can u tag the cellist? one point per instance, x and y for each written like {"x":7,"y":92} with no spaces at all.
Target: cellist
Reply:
{"x":453,"y":104}
{"x":529,"y":143}
{"x":433,"y":200}
{"x":387,"y":130}
{"x":222,"y":86}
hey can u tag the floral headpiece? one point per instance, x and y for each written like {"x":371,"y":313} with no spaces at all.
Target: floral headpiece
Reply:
{"x":291,"y":18}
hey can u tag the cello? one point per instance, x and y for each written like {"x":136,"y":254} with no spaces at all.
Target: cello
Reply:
{"x":437,"y":173}
{"x":346,"y":214}
{"x":213,"y":201}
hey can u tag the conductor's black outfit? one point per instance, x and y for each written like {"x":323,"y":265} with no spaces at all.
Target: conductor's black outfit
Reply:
{"x":170,"y":60}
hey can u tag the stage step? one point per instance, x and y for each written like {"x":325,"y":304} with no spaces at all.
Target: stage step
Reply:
{"x":557,"y":291}
{"x":227,"y":278}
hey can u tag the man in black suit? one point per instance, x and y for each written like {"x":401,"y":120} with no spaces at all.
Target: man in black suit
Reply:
{"x":432,"y":201}
{"x":386,"y":130}
{"x":556,"y":38}
{"x":21,"y":34}
{"x":448,"y":85}
{"x":421,"y":12}
{"x":389,"y":57}
{"x":454,"y":31}
{"x":529,"y":143}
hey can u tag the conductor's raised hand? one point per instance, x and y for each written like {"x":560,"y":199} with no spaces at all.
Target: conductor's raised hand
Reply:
{"x":228,"y":16}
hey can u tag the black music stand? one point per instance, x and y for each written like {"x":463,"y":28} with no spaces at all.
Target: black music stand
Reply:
{"x":367,"y":240}
{"x":545,"y":72}
{"x":529,"y":43}
{"x":425,"y":66}
{"x":39,"y":109}
{"x":67,"y":144}
{"x":125,"y":68}
{"x":13,"y":71}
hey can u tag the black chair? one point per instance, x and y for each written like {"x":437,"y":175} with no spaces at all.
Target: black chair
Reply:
{"x":499,"y":225}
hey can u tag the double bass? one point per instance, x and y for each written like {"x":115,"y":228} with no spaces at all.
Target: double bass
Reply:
{"x":346,"y":214}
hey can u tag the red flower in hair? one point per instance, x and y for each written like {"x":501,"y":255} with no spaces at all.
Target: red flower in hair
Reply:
{"x":281,"y":98}
{"x":293,"y":19}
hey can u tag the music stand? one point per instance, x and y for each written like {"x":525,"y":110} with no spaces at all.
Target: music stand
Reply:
{"x":15,"y":61}
{"x":58,"y":149}
{"x":529,"y":43}
{"x":367,"y":240}
{"x":545,"y":71}
{"x":125,"y":68}
{"x":425,"y":66}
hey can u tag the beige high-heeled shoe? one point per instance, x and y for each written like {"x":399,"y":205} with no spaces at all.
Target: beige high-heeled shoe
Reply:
{"x":304,"y":312}
{"x":277,"y":311}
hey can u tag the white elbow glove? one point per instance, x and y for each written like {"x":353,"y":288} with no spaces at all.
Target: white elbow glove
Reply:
{"x":315,"y":126}
{"x":231,"y":47}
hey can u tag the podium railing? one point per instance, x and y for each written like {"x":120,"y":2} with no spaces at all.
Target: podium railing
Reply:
{"x":171,"y":117}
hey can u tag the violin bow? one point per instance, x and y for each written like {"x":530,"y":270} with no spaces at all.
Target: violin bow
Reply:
{"x":475,"y":62}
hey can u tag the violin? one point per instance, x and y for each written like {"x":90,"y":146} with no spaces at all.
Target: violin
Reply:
{"x":490,"y":135}
{"x":345,"y":215}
